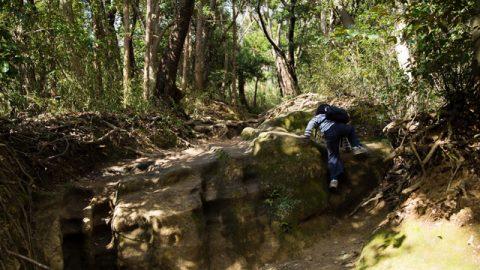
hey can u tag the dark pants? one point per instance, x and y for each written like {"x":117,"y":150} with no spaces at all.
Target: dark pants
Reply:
{"x":332,"y":137}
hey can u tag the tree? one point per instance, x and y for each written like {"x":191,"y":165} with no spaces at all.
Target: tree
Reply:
{"x":250,"y":66}
{"x":200,"y":40}
{"x":149,"y":69}
{"x":127,"y":53}
{"x":285,"y":63}
{"x":234,"y":96}
{"x":187,"y":50}
{"x":166,"y":87}
{"x":107,"y":56}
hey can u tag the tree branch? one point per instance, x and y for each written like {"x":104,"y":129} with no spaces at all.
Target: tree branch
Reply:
{"x":265,"y":31}
{"x":25,"y":258}
{"x":291,"y":33}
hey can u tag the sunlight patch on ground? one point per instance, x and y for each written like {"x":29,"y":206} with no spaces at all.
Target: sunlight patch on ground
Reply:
{"x":419,"y":244}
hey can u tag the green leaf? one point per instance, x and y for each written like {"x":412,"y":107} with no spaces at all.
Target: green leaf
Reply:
{"x":5,"y":67}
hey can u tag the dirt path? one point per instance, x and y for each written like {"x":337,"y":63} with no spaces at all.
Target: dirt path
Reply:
{"x":339,"y":247}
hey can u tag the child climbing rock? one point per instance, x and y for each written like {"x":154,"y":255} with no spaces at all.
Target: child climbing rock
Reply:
{"x":332,"y":122}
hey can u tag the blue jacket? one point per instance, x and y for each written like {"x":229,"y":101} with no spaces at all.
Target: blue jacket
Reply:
{"x":319,"y":121}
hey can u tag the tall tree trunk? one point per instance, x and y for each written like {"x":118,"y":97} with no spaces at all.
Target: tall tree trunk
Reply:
{"x":200,"y":40}
{"x":127,"y":57}
{"x":291,"y":34}
{"x":476,"y":40}
{"x":75,"y":57}
{"x":99,"y":47}
{"x":149,"y":71}
{"x":167,"y":74}
{"x":234,"y":53}
{"x":285,"y":77}
{"x":286,"y":72}
{"x":475,"y":97}
{"x":323,"y":21}
{"x":226,"y":63}
{"x":186,"y":60}
{"x":113,"y":51}
{"x":135,"y":16}
{"x":241,"y":90}
{"x":210,"y":47}
{"x":331,"y":21}
{"x":401,"y":48}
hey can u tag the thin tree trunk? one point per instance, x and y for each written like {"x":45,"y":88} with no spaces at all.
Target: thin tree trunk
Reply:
{"x":401,"y":48}
{"x":149,"y":72}
{"x":127,"y":41}
{"x":331,"y":21}
{"x":291,"y":34}
{"x":99,"y":50}
{"x":167,"y":74}
{"x":474,"y":97}
{"x":210,"y":47}
{"x":241,"y":90}
{"x":135,"y":16}
{"x":286,"y":72}
{"x":476,"y":40}
{"x":234,"y":54}
{"x":200,"y":40}
{"x":186,"y":61}
{"x":75,"y":57}
{"x":323,"y":21}
{"x":255,"y":93}
{"x":113,"y":50}
{"x":225,"y":63}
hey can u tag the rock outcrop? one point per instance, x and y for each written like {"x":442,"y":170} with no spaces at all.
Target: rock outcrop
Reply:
{"x":226,"y":208}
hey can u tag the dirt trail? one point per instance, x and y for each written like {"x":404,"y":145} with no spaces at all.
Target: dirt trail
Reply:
{"x":339,"y":247}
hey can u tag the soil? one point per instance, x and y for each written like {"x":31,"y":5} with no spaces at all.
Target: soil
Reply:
{"x":339,"y":247}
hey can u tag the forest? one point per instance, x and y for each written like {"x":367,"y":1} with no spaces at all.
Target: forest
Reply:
{"x":152,"y":134}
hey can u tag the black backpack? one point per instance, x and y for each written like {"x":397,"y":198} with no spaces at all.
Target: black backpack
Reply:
{"x":337,"y":114}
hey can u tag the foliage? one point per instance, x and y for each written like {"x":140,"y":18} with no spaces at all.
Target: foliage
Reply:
{"x":441,"y":34}
{"x":281,"y":206}
{"x":356,"y":61}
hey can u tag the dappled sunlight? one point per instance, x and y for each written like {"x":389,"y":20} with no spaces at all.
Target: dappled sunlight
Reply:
{"x":422,"y":244}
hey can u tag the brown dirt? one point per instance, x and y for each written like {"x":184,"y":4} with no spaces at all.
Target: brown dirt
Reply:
{"x":339,"y":247}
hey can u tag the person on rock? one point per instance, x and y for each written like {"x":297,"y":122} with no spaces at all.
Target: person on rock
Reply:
{"x":332,"y":122}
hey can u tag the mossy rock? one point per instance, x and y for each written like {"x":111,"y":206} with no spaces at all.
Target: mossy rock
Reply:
{"x":249,"y":133}
{"x":290,"y":170}
{"x":419,"y":244}
{"x":292,"y":122}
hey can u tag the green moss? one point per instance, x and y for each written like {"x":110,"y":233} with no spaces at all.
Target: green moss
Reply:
{"x":249,"y":133}
{"x":293,"y":122}
{"x":419,"y":244}
{"x":290,"y":171}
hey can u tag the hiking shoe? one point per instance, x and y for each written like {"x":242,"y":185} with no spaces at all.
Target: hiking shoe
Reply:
{"x":334,"y":184}
{"x":358,"y":150}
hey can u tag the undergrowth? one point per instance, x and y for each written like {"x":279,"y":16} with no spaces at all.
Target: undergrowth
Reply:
{"x":38,"y":153}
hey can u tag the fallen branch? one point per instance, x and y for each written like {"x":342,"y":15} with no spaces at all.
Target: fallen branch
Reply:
{"x":32,"y":261}
{"x":437,"y":143}
{"x":412,"y":188}
{"x":424,"y":172}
